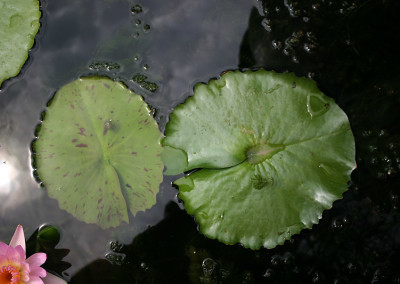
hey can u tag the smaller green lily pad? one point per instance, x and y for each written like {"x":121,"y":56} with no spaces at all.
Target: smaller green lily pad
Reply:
{"x":272,"y":153}
{"x":98,"y":151}
{"x":19,"y":23}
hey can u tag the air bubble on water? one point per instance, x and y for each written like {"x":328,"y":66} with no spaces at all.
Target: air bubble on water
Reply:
{"x":316,"y":6}
{"x":144,"y":83}
{"x":351,"y":267}
{"x":310,"y":75}
{"x":293,"y":40}
{"x":316,"y":277}
{"x":208,"y":266}
{"x":109,"y":66}
{"x":137,"y":9}
{"x":266,"y":24}
{"x":291,"y":6}
{"x":275,"y":260}
{"x":116,"y":246}
{"x":139,"y":78}
{"x":312,"y":38}
{"x":224,"y":274}
{"x":268,"y":273}
{"x":276,"y":44}
{"x":381,"y":133}
{"x":144,"y":266}
{"x":337,"y":224}
{"x":366,"y":133}
{"x":116,"y":258}
{"x":248,"y":277}
{"x":309,"y":47}
{"x":288,"y":51}
{"x":288,"y":259}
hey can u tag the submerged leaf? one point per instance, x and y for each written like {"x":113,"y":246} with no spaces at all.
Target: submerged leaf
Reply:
{"x":19,"y":23}
{"x":272,"y":150}
{"x":98,"y":152}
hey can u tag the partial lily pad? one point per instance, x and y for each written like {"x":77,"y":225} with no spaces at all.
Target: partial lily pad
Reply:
{"x":98,"y":151}
{"x":273,"y":153}
{"x":19,"y":23}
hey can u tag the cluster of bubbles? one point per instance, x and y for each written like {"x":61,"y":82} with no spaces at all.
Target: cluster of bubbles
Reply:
{"x":137,"y":10}
{"x":309,"y":18}
{"x":383,"y":151}
{"x":141,"y":79}
{"x":104,"y":66}
{"x":141,"y":28}
{"x":122,"y":71}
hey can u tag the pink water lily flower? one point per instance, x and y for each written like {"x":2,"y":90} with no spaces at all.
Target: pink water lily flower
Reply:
{"x":15,"y":268}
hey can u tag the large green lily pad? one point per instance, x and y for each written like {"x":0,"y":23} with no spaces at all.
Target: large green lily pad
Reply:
{"x":19,"y":23}
{"x":272,"y":150}
{"x":98,"y":151}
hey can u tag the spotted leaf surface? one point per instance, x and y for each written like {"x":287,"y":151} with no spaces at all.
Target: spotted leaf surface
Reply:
{"x":19,"y":23}
{"x":98,"y":151}
{"x":273,"y":153}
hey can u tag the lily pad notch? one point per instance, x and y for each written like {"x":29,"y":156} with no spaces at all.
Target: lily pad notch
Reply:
{"x":98,"y":151}
{"x":273,"y":153}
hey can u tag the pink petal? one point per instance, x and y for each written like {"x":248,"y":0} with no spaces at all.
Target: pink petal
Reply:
{"x":37,"y":271}
{"x":36,"y":259}
{"x":52,"y":279}
{"x":17,"y":253}
{"x":21,"y":252}
{"x":3,"y":248}
{"x":18,"y":238}
{"x":27,"y":270}
{"x":34,"y":280}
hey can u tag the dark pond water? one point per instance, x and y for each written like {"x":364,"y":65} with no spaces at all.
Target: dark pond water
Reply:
{"x":161,"y":49}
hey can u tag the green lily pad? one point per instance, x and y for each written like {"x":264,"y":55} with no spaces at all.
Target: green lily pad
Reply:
{"x":98,"y":151}
{"x":272,"y":150}
{"x":19,"y":23}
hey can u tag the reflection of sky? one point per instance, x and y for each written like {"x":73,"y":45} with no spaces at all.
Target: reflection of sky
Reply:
{"x":189,"y":42}
{"x":7,"y":173}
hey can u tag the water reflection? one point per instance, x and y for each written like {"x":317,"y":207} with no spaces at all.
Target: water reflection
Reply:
{"x":7,"y":174}
{"x":186,"y":43}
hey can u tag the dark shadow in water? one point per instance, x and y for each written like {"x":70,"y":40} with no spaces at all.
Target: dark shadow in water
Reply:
{"x":174,"y":251}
